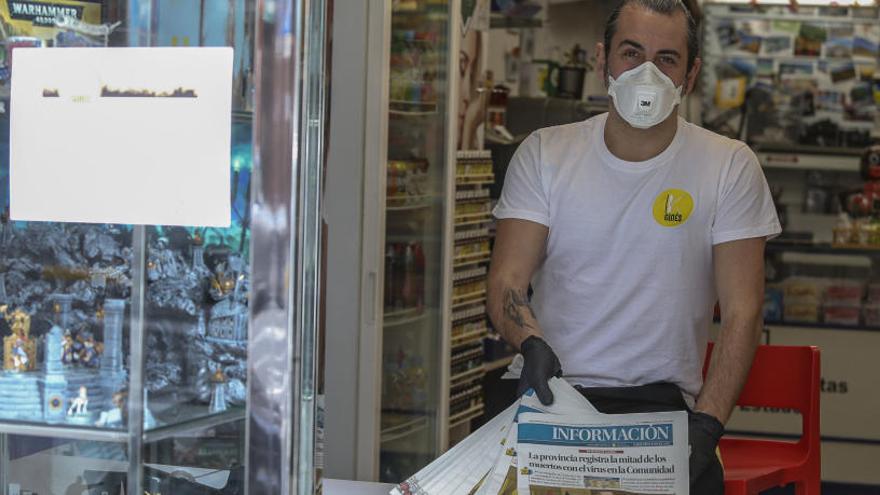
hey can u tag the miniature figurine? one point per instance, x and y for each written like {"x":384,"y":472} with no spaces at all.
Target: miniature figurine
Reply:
{"x":222,"y":283}
{"x":79,"y":406}
{"x":218,"y":394}
{"x":19,"y":350}
{"x":19,"y":354}
{"x":149,"y":419}
{"x":864,"y":202}
{"x":68,"y":354}
{"x":88,"y":354}
{"x":116,"y":415}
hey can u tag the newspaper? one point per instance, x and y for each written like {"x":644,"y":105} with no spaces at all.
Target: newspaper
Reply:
{"x":449,"y":466}
{"x":567,"y":400}
{"x":632,"y":454}
{"x":567,"y":447}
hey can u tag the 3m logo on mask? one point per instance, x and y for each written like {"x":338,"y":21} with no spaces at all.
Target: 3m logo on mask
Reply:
{"x":673,"y":207}
{"x":645,"y":102}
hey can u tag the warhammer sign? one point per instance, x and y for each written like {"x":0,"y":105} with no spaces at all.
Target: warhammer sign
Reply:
{"x":42,"y":14}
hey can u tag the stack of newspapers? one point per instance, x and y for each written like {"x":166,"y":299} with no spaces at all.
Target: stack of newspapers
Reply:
{"x":565,"y":448}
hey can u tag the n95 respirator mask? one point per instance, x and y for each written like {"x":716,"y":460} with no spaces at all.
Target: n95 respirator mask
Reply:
{"x":644,"y":96}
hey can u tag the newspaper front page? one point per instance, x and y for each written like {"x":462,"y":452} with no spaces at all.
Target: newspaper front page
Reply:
{"x":603,"y":454}
{"x":502,"y":480}
{"x":567,"y":448}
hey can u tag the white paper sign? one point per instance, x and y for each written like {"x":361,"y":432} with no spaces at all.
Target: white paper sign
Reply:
{"x":121,"y":135}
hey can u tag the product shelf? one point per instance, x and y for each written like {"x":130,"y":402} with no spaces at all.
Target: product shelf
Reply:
{"x":413,"y":113}
{"x":66,"y":431}
{"x":484,"y":220}
{"x":96,"y":434}
{"x":198,"y":424}
{"x":403,"y":317}
{"x":821,"y":326}
{"x":823,"y":248}
{"x":465,"y":416}
{"x":484,"y":258}
{"x":472,"y":195}
{"x":463,"y":376}
{"x":413,"y":203}
{"x":466,"y":355}
{"x":412,"y":106}
{"x":808,"y":161}
{"x":404,"y":429}
{"x":468,"y":299}
{"x":469,"y":338}
{"x":468,"y":315}
{"x":470,"y":275}
{"x":499,"y":363}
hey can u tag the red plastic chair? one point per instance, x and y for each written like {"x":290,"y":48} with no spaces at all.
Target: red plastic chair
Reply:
{"x":783,"y":377}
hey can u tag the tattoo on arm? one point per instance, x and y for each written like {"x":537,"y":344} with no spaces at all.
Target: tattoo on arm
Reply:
{"x":514,"y":303}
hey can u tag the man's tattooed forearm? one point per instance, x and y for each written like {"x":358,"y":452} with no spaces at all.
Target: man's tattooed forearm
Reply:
{"x":515,"y":301}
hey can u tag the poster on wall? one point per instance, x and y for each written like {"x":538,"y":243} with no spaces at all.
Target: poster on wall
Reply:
{"x":38,"y":18}
{"x":121,"y":135}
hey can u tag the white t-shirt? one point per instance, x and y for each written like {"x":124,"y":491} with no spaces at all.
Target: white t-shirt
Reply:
{"x":626,"y":290}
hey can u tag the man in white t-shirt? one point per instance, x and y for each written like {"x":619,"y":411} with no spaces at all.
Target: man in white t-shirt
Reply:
{"x":629,"y":227}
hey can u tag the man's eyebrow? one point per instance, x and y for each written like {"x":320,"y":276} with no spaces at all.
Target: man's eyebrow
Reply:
{"x":669,"y":51}
{"x":638,"y":46}
{"x":631,"y":43}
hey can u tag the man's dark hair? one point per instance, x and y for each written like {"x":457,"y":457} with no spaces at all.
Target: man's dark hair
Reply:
{"x":666,"y":7}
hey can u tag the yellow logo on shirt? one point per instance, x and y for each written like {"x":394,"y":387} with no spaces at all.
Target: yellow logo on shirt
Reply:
{"x":673,"y":207}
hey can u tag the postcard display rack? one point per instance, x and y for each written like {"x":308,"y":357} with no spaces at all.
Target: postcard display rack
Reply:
{"x":800,"y":85}
{"x":801,"y":77}
{"x":129,"y":350}
{"x":470,"y":267}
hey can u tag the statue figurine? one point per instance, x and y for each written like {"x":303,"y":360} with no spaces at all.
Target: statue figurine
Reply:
{"x":116,"y":416}
{"x":68,"y":353}
{"x":222,"y":282}
{"x":88,"y":354}
{"x":218,"y":394}
{"x":20,"y":360}
{"x":19,"y":351}
{"x":80,"y":404}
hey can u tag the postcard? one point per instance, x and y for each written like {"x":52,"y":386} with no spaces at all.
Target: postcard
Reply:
{"x":838,"y":48}
{"x":777,"y":45}
{"x":796,"y":68}
{"x":841,"y":72}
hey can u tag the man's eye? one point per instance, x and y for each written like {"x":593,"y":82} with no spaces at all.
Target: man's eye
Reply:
{"x":630,"y":54}
{"x":668,"y":60}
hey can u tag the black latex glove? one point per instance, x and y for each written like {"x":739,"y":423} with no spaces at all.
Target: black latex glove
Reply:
{"x":704,"y":431}
{"x":540,"y":364}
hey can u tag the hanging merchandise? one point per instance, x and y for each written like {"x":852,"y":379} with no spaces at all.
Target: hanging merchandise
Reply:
{"x":791,"y":77}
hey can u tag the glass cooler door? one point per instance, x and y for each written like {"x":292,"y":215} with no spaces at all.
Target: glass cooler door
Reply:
{"x":415,"y":237}
{"x":165,"y":358}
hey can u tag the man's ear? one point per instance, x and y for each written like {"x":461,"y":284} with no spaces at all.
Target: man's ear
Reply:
{"x":600,"y":62}
{"x":692,"y":76}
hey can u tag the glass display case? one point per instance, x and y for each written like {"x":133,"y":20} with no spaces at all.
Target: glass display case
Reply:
{"x":416,"y":238}
{"x":150,"y":358}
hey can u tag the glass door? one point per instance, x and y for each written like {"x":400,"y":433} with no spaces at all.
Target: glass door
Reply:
{"x":415,"y":237}
{"x":143,"y":357}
